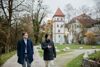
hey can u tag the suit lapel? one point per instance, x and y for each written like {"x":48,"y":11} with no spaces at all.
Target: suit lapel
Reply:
{"x":23,"y":41}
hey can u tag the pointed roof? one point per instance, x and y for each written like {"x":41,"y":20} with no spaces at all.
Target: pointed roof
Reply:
{"x":59,"y":13}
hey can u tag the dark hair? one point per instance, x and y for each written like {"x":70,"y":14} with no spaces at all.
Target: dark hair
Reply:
{"x":24,"y":33}
{"x":46,"y":35}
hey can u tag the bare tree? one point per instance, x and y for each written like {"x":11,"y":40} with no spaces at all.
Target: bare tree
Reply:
{"x":69,"y":11}
{"x":85,"y":9}
{"x":8,"y":7}
{"x":97,"y":8}
{"x":37,"y":13}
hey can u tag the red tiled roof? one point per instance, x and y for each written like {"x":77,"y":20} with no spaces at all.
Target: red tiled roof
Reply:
{"x":85,"y":19}
{"x":59,"y":13}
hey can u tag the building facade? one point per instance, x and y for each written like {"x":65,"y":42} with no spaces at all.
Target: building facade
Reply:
{"x":58,"y":26}
{"x":77,"y":28}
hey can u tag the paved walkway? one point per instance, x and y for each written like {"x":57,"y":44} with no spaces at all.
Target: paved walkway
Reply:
{"x":60,"y":61}
{"x":38,"y":62}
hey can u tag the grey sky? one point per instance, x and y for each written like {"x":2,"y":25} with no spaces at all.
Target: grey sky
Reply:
{"x":54,"y":4}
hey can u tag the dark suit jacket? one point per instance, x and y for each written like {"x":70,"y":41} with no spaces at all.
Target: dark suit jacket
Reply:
{"x":21,"y":51}
{"x":49,"y":53}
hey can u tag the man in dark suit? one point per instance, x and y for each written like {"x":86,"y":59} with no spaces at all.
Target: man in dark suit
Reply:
{"x":25,"y":50}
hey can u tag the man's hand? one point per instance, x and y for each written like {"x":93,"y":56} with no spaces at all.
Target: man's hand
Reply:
{"x":49,"y":46}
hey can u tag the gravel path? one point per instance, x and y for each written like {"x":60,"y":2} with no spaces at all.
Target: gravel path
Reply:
{"x":60,"y":61}
{"x":38,"y":62}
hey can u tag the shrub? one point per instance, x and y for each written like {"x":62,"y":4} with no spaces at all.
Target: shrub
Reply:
{"x":90,"y":37}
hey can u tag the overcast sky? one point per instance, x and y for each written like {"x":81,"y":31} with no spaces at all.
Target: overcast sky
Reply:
{"x":54,"y":4}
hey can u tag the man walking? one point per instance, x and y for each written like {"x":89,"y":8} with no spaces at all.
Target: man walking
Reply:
{"x":25,"y":50}
{"x":49,"y":51}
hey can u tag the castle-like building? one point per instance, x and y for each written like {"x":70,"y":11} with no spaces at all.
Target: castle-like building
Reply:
{"x":58,"y":26}
{"x":73,"y":31}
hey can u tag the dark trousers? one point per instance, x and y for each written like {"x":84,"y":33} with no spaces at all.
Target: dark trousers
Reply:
{"x":26,"y":62}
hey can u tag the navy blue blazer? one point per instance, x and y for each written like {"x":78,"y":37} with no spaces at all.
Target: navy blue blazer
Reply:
{"x":21,"y":51}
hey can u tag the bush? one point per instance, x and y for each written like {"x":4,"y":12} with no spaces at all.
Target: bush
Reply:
{"x":95,"y":57}
{"x":90,"y":38}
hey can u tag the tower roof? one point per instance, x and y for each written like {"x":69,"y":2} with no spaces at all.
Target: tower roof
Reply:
{"x":59,"y":13}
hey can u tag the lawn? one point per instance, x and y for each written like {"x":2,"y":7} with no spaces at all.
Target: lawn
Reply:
{"x":77,"y":46}
{"x":59,"y":47}
{"x":58,"y":53}
{"x":76,"y":62}
{"x":6,"y":56}
{"x":96,"y":55}
{"x":71,"y":46}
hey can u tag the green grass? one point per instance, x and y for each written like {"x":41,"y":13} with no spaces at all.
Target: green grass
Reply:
{"x":6,"y":56}
{"x":58,"y":53}
{"x":71,"y":46}
{"x":40,"y":52}
{"x":60,"y":47}
{"x":95,"y":55}
{"x":75,"y":62}
{"x":77,"y":46}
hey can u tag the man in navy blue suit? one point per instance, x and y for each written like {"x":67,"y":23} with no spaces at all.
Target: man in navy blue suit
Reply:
{"x":25,"y":51}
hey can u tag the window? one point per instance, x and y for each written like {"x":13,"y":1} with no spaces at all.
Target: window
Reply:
{"x":75,"y":26}
{"x":57,"y":25}
{"x":58,"y":30}
{"x":61,"y":19}
{"x":78,"y":26}
{"x":61,"y":26}
{"x":59,"y":36}
{"x":57,"y":19}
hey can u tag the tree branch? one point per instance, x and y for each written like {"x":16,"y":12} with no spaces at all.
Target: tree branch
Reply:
{"x":18,"y":10}
{"x":18,"y":5}
{"x":43,"y":15}
{"x":2,"y":6}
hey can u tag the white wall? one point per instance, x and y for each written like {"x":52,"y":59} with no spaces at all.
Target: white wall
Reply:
{"x":74,"y":27}
{"x":58,"y":29}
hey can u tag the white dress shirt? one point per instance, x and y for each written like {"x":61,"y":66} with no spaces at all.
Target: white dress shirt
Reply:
{"x":25,"y":41}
